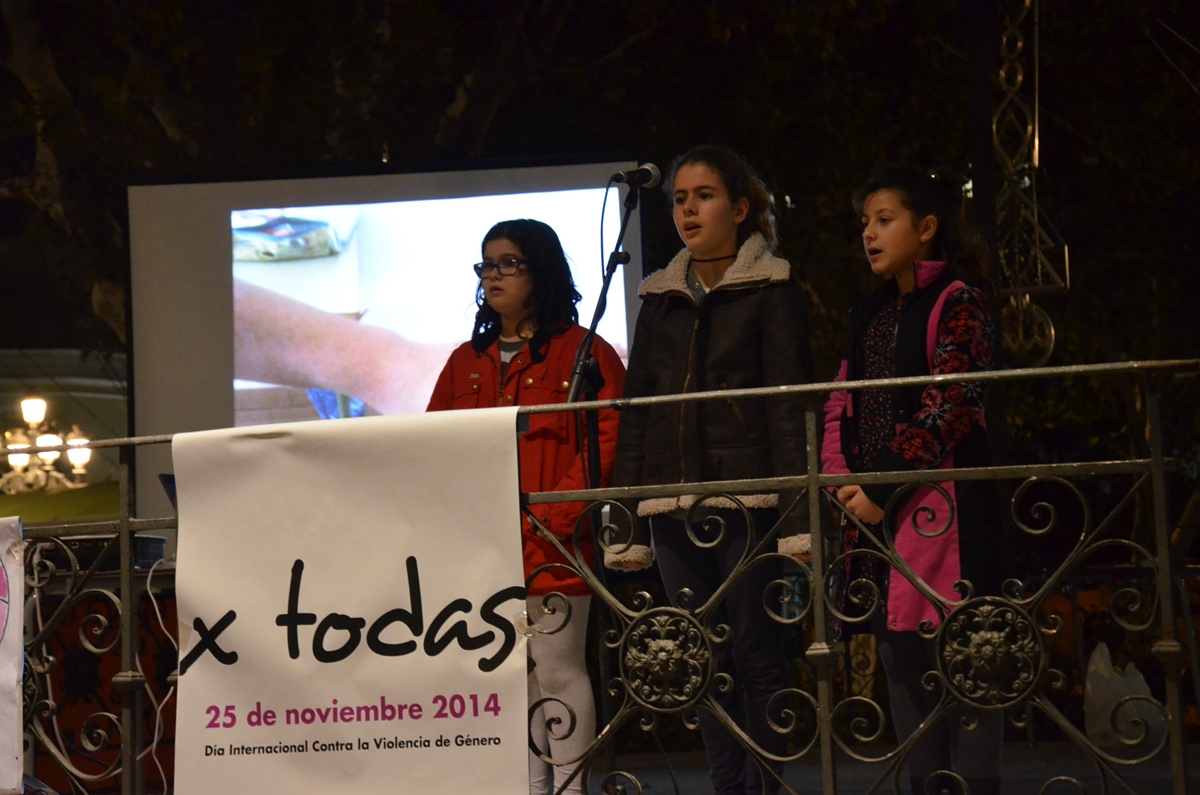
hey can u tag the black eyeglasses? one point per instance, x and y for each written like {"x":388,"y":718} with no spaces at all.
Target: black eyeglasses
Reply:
{"x":509,"y":266}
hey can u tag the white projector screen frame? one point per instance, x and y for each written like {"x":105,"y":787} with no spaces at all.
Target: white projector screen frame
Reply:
{"x":181,"y":280}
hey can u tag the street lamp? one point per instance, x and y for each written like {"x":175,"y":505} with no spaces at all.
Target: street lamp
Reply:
{"x":33,"y":410}
{"x":42,"y":474}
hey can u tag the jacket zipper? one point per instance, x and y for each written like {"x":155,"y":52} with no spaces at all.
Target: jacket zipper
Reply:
{"x":904,"y":304}
{"x":895,"y":340}
{"x":736,"y":411}
{"x":687,"y":379}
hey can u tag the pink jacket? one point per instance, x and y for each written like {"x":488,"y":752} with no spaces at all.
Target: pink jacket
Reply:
{"x":921,"y":537}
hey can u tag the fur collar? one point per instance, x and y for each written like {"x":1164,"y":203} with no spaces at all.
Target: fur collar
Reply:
{"x":755,"y":264}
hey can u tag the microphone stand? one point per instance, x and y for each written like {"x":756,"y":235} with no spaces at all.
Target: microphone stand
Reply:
{"x":586,"y":380}
{"x":586,"y":383}
{"x":581,"y":377}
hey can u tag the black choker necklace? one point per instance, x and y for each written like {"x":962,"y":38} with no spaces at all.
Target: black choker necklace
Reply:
{"x":715,"y":259}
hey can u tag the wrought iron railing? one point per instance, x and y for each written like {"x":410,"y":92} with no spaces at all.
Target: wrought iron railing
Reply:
{"x":58,"y":588}
{"x":995,"y":653}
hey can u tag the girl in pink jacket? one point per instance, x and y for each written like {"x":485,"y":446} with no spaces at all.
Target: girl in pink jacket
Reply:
{"x":923,"y":320}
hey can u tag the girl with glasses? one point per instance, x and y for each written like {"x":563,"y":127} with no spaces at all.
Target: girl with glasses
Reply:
{"x":522,"y":352}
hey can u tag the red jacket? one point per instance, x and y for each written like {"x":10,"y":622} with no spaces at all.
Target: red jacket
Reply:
{"x":549,"y":455}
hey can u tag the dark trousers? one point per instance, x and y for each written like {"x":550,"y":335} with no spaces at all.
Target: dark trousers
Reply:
{"x":906,"y":658}
{"x":753,"y":655}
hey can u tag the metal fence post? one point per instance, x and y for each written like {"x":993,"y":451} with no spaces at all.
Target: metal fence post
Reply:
{"x":1167,"y":650}
{"x":129,"y":680}
{"x":821,"y":653}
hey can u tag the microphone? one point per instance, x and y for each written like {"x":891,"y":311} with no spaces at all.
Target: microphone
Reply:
{"x":646,"y":175}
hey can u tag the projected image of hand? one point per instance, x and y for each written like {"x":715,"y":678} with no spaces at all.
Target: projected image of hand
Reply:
{"x":279,"y":340}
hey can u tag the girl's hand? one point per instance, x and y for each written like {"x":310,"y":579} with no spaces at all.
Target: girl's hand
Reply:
{"x":859,"y":505}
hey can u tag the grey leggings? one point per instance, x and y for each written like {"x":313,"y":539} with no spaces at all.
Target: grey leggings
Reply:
{"x":974,"y":753}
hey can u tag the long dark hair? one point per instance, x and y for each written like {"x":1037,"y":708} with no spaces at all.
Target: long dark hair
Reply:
{"x":554,"y":294}
{"x":740,"y":182}
{"x":936,"y":192}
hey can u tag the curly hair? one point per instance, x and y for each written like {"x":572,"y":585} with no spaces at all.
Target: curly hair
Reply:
{"x":937,"y":192}
{"x":554,"y":294}
{"x":741,"y":182}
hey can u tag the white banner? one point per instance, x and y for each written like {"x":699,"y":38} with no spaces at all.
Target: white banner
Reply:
{"x":346,"y":592}
{"x":12,"y":603}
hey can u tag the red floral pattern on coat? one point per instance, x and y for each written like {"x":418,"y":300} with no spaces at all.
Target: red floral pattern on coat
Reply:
{"x":959,"y":422}
{"x":960,"y":323}
{"x":916,"y":444}
{"x":947,"y":414}
{"x":952,"y":362}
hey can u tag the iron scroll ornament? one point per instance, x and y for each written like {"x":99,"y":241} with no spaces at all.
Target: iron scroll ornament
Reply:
{"x":667,"y":655}
{"x":990,"y":653}
{"x":667,"y":660}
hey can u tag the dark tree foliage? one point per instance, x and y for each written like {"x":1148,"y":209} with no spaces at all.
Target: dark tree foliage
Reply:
{"x":816,"y":94}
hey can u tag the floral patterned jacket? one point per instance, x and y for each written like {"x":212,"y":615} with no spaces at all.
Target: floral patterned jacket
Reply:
{"x":943,"y":327}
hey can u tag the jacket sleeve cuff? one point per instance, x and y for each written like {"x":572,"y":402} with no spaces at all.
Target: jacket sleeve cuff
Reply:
{"x":796,"y":545}
{"x":633,"y":557}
